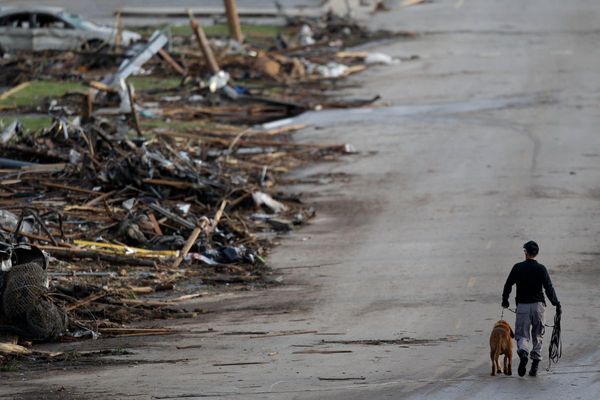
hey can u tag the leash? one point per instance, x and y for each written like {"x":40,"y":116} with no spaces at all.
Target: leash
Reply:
{"x":512,"y":311}
{"x":555,"y":348}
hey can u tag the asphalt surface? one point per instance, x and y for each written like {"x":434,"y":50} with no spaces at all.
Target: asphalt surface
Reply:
{"x":490,"y":139}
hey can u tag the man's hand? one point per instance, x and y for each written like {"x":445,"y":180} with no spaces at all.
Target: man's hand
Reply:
{"x":505,"y":304}
{"x":558,"y":309}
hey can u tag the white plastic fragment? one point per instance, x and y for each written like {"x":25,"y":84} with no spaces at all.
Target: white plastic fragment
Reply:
{"x":305,"y":36}
{"x":218,"y":81}
{"x":349,"y":149}
{"x":184,"y":208}
{"x":76,"y":122}
{"x":11,"y":130}
{"x":380,"y":58}
{"x":128,"y":204}
{"x":330,"y":70}
{"x":74,"y":156}
{"x":261,"y":198}
{"x":5,"y":265}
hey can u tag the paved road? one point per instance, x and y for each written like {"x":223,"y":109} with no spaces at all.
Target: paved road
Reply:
{"x":496,"y":143}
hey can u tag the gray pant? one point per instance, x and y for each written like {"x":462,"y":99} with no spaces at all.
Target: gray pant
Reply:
{"x":530,"y":327}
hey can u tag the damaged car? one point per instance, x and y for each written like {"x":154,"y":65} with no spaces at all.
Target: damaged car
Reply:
{"x":52,"y":28}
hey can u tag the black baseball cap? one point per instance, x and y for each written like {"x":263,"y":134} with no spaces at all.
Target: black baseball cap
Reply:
{"x":531,"y":248}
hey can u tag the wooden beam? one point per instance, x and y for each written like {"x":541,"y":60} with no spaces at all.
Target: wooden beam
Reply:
{"x":63,"y":253}
{"x":13,"y":349}
{"x":204,"y":45}
{"x":14,"y":90}
{"x":70,"y":188}
{"x":118,"y":30}
{"x":190,"y":242}
{"x":233,"y":20}
{"x":172,"y":63}
{"x":101,"y":86}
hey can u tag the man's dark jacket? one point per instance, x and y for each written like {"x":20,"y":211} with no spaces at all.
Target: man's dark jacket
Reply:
{"x":530,"y":276}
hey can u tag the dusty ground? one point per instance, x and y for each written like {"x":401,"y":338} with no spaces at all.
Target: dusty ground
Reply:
{"x":416,"y":235}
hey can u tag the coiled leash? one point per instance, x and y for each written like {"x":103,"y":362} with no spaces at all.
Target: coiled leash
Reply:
{"x":555,"y":348}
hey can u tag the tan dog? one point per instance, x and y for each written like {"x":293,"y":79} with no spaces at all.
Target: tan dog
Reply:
{"x":501,"y":343}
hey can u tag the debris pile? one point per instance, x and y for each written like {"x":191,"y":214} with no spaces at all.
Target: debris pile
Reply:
{"x":134,"y":193}
{"x":203,"y":201}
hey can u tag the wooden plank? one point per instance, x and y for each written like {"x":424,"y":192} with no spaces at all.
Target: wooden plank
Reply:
{"x":155,"y":224}
{"x":118,"y":29}
{"x":13,"y":349}
{"x":43,"y":168}
{"x":171,"y":62}
{"x":204,"y":45}
{"x":233,"y":20}
{"x":70,"y":188}
{"x":63,"y":253}
{"x":14,"y":90}
{"x":101,"y":86}
{"x":98,"y":199}
{"x":188,"y":245}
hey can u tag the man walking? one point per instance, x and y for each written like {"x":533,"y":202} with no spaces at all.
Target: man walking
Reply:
{"x":530,"y":277}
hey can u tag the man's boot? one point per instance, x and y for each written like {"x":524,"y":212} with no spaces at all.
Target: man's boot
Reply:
{"x":534,"y":367}
{"x":523,"y":357}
